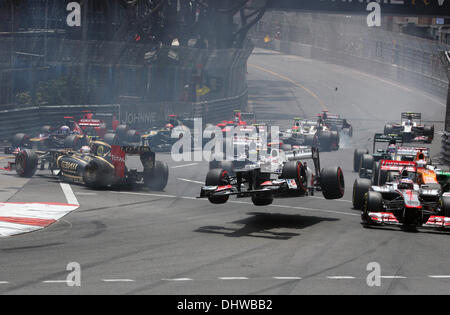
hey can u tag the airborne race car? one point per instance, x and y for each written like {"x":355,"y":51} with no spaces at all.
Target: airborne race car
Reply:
{"x":413,"y":197}
{"x":292,"y":179}
{"x":102,"y":167}
{"x":311,"y":133}
{"x":411,"y":129}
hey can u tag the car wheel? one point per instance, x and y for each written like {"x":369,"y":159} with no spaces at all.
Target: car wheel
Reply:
{"x":445,"y":206}
{"x":95,"y":175}
{"x":218,"y":177}
{"x":262,"y":199}
{"x":296,"y":170}
{"x":373,"y":202}
{"x":332,"y":183}
{"x":360,"y":188}
{"x":366,"y":162}
{"x":26,"y":163}
{"x":20,"y":140}
{"x":110,"y":138}
{"x":156,"y":179}
{"x":357,"y":155}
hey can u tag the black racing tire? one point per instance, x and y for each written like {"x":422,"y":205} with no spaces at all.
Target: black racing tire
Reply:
{"x":72,"y":142}
{"x":388,"y":129}
{"x":296,"y":170}
{"x":366,"y":162}
{"x":429,"y":132}
{"x":445,"y":206}
{"x":20,"y":140}
{"x":373,"y":202}
{"x":26,"y":163}
{"x":360,"y":188}
{"x":335,"y":140}
{"x":132,"y":136}
{"x":357,"y":155}
{"x":156,"y":179}
{"x":121,"y":132}
{"x":111,"y":139}
{"x":263,"y":199}
{"x":312,"y":141}
{"x":332,"y":182}
{"x":96,"y":175}
{"x":224,"y":165}
{"x":46,"y":129}
{"x":326,"y":141}
{"x":218,"y":177}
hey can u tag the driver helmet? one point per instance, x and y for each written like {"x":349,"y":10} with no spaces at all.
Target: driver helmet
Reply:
{"x":169,"y":126}
{"x":392,"y":149}
{"x":85,"y":149}
{"x":421,"y":163}
{"x":64,"y":130}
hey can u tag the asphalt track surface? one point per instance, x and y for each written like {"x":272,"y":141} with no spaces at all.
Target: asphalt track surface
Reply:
{"x":142,"y":242}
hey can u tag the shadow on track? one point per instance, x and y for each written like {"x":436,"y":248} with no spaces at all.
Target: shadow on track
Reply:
{"x":260,"y":225}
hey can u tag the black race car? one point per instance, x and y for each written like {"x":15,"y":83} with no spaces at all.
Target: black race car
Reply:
{"x":102,"y":167}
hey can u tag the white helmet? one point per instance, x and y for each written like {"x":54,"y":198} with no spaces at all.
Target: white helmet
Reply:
{"x":85,"y":149}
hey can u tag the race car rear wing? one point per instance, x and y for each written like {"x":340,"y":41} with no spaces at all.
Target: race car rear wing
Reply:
{"x":413,"y":116}
{"x":398,"y":166}
{"x":382,"y":138}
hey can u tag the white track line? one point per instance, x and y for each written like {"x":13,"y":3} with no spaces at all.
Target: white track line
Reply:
{"x":178,"y":279}
{"x":233,"y":278}
{"x":341,"y":278}
{"x":4,"y":282}
{"x":439,"y":277}
{"x":117,"y":280}
{"x":70,"y":196}
{"x":191,"y":181}
{"x":181,"y":166}
{"x":287,"y":278}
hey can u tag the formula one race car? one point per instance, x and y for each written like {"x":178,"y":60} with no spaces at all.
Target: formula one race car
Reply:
{"x":102,"y":166}
{"x":335,"y":123}
{"x":363,"y":161}
{"x":411,"y":129}
{"x":66,"y":135}
{"x":311,"y":133}
{"x":98,"y":125}
{"x":240,"y":119}
{"x":283,"y":175}
{"x":405,"y":200}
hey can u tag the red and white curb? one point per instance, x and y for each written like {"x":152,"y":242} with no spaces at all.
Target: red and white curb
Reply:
{"x":25,"y":217}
